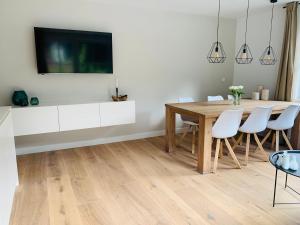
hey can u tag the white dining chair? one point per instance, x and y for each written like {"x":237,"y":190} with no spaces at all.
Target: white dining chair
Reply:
{"x":284,"y":122}
{"x":215,"y":98}
{"x":255,"y":123}
{"x":226,"y":126}
{"x":230,"y":97}
{"x":190,"y":122}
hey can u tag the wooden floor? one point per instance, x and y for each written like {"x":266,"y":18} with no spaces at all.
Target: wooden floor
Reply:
{"x":136,"y":182}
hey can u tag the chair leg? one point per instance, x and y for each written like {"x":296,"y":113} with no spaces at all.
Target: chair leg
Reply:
{"x":287,"y":140}
{"x":261,"y":147}
{"x":273,"y":141}
{"x":221,"y":150}
{"x":247,"y":149}
{"x":277,"y":140}
{"x":183,"y":135}
{"x":266,"y":137}
{"x":232,"y":153}
{"x":216,"y":155}
{"x":234,"y":141}
{"x":193,"y":140}
{"x":238,"y":141}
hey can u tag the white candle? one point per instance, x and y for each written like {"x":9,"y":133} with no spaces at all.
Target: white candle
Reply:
{"x":255,"y":95}
{"x":117,"y":83}
{"x":265,"y":94}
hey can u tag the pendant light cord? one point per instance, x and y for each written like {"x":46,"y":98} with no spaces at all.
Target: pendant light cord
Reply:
{"x":218,"y":22}
{"x":247,"y":23}
{"x":271,"y":26}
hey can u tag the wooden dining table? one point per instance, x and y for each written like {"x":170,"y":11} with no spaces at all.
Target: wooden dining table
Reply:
{"x":208,"y":112}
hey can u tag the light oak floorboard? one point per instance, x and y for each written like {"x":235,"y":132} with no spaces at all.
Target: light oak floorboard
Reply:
{"x":137,"y":182}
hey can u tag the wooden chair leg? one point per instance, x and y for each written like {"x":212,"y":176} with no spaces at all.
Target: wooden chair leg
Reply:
{"x":183,"y":135}
{"x":277,"y":140}
{"x":265,"y":138}
{"x":238,"y":141}
{"x":232,"y":153}
{"x":234,"y":141}
{"x":247,"y":149}
{"x":287,"y":140}
{"x":216,"y":155}
{"x":273,"y":141}
{"x":193,"y":140}
{"x":221,"y":149}
{"x":261,"y":147}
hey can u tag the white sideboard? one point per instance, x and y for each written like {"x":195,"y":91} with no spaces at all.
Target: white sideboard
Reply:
{"x":8,"y":165}
{"x":35,"y":120}
{"x":82,"y":116}
{"x":124,"y":113}
{"x":45,"y":119}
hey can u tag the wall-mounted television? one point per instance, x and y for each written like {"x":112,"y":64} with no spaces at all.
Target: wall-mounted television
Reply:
{"x":72,"y":51}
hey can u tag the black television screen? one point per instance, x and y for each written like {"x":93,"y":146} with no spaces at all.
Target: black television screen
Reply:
{"x":71,"y":51}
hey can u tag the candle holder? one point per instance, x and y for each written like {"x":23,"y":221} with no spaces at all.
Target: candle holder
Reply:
{"x":120,"y":98}
{"x":117,"y":97}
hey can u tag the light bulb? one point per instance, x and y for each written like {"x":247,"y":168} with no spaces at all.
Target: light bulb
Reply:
{"x":268,"y":58}
{"x":216,"y":55}
{"x":244,"y":55}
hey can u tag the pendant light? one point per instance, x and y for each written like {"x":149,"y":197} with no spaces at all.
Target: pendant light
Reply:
{"x":268,"y":57}
{"x":244,"y":55}
{"x":217,"y":53}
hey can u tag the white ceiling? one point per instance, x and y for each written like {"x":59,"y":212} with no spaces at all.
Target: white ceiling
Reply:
{"x":229,"y":8}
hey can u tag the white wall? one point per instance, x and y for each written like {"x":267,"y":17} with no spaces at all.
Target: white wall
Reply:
{"x":158,"y":56}
{"x":254,"y":74}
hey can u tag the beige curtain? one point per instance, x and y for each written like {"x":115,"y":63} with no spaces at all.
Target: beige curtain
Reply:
{"x":286,"y":68}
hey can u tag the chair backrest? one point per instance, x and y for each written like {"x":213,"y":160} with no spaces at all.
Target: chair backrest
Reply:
{"x":288,"y":116}
{"x":215,"y":98}
{"x":227,"y":124}
{"x":230,"y":97}
{"x":185,"y":100}
{"x":258,"y":120}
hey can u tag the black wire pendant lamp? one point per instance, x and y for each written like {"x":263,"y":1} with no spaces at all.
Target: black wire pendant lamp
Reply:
{"x":268,"y":57}
{"x":217,"y":53}
{"x":244,"y":55}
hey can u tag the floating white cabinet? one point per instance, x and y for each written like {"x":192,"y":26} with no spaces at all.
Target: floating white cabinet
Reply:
{"x":46,"y":119}
{"x":116,"y":113}
{"x":35,"y":120}
{"x":75,"y":117}
{"x":8,"y":167}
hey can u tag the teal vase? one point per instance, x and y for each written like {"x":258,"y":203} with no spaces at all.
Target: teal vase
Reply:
{"x":20,"y":98}
{"x":34,"y":101}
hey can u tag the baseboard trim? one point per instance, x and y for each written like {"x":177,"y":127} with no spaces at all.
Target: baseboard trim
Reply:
{"x":99,"y":141}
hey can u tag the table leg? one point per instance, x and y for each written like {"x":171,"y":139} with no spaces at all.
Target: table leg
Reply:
{"x":285,"y":186}
{"x":295,"y":137}
{"x":170,"y":130}
{"x":275,"y":185}
{"x":204,"y":145}
{"x":286,"y":178}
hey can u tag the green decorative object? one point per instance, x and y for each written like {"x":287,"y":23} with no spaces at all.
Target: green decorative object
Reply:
{"x":20,"y":98}
{"x":34,"y":101}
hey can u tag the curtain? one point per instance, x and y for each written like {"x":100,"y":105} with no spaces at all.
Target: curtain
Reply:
{"x":286,"y":68}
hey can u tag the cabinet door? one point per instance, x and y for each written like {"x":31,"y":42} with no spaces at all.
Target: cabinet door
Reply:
{"x":117,"y":113}
{"x":82,"y":116}
{"x":35,"y":120}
